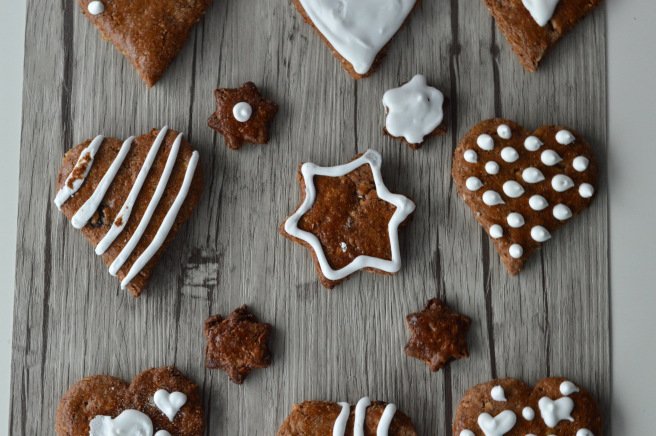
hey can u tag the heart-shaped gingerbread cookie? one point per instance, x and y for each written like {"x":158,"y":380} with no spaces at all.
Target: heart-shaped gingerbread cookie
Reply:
{"x":510,"y":407}
{"x":159,"y":402}
{"x":522,"y":185}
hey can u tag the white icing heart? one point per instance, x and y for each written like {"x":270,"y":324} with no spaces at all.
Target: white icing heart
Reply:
{"x":169,"y":403}
{"x":498,"y":425}
{"x":541,"y":10}
{"x":555,"y":411}
{"x":129,"y":422}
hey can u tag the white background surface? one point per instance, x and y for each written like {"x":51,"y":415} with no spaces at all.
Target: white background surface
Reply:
{"x":631,"y":157}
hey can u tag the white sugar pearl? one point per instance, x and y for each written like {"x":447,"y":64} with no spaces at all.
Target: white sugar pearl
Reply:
{"x":242,"y":111}
{"x":496,"y":231}
{"x":538,"y":202}
{"x":466,"y":432}
{"x":580,"y":163}
{"x":532,"y":175}
{"x":564,"y":137}
{"x":96,"y":7}
{"x":532,"y":143}
{"x":504,"y":131}
{"x":513,"y":189}
{"x":492,"y":167}
{"x":515,"y":220}
{"x":516,"y":251}
{"x":540,"y":234}
{"x":492,"y":198}
{"x":485,"y":141}
{"x":473,"y":183}
{"x":561,"y":212}
{"x":509,"y":154}
{"x":561,"y":183}
{"x":586,"y":190}
{"x":550,"y":158}
{"x":528,"y":413}
{"x":584,"y":432}
{"x":470,"y":156}
{"x":568,"y":388}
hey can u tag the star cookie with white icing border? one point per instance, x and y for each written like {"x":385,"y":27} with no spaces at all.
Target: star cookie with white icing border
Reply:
{"x":521,"y":185}
{"x":510,"y":407}
{"x":242,"y":115}
{"x":348,"y":219}
{"x":533,"y":27}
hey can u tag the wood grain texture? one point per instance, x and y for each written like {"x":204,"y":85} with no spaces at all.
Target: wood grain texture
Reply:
{"x":72,"y":320}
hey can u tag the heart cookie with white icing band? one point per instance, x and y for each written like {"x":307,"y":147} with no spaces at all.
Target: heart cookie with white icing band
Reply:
{"x":521,"y":185}
{"x":510,"y":407}
{"x":158,"y":402}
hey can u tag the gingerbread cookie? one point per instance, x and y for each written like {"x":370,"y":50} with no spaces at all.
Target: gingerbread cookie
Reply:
{"x":438,"y":335}
{"x":555,"y":406}
{"x":413,"y":111}
{"x":339,"y":419}
{"x":129,"y":198}
{"x":148,"y":33}
{"x":158,"y":402}
{"x":242,"y":115}
{"x":522,"y":185}
{"x":532,"y":27}
{"x":357,"y":31}
{"x":237,"y":344}
{"x":348,"y":219}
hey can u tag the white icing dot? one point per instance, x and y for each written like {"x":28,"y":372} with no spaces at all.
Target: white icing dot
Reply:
{"x":564,"y":137}
{"x":516,"y":251}
{"x":531,"y":434}
{"x":485,"y":141}
{"x":242,"y":111}
{"x":584,"y":432}
{"x":532,"y":143}
{"x":561,"y":212}
{"x":540,"y":234}
{"x":473,"y":183}
{"x":467,"y":432}
{"x":492,"y":167}
{"x":528,"y":413}
{"x":504,"y":131}
{"x":509,"y":154}
{"x":496,"y":231}
{"x":492,"y":198}
{"x":532,"y":175}
{"x":561,"y":183}
{"x":538,"y":202}
{"x":343,"y":246}
{"x":513,"y":189}
{"x":497,"y":393}
{"x":568,"y":388}
{"x":96,"y":7}
{"x":515,"y":220}
{"x":580,"y":163}
{"x":586,"y":190}
{"x":550,"y":158}
{"x":470,"y":156}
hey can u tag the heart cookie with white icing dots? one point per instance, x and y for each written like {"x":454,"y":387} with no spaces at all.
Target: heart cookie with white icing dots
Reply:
{"x":510,"y":407}
{"x":522,"y":185}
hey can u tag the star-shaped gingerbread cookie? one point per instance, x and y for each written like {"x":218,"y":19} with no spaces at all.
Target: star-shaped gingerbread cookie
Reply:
{"x":438,"y":335}
{"x":237,"y":344}
{"x":242,"y":115}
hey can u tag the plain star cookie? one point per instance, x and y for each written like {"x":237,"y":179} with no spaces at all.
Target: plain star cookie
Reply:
{"x":129,"y":198}
{"x":348,"y":219}
{"x":158,"y":402}
{"x":148,"y":33}
{"x":357,"y":31}
{"x":555,"y":406}
{"x":521,"y":185}
{"x":339,"y":419}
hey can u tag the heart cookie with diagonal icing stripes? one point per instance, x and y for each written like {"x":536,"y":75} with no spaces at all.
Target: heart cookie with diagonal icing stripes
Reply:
{"x":521,"y":185}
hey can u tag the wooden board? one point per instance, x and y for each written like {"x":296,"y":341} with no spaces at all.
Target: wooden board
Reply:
{"x":71,"y":319}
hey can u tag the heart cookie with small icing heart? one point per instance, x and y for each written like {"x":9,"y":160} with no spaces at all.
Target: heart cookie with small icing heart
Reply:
{"x":511,"y":407}
{"x":522,"y":185}
{"x":158,"y":402}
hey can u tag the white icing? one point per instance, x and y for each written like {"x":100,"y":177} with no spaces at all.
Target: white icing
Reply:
{"x":72,"y":184}
{"x":540,"y":234}
{"x":129,"y":422}
{"x":541,"y":10}
{"x":167,"y":222}
{"x":584,"y":432}
{"x":413,"y":110}
{"x":485,"y":141}
{"x":498,"y":394}
{"x":515,"y":220}
{"x":163,"y":433}
{"x":470,"y":156}
{"x":473,"y":183}
{"x":467,"y":432}
{"x":343,"y":246}
{"x":516,"y":251}
{"x":339,"y":428}
{"x":564,"y":137}
{"x":568,"y":388}
{"x":496,"y":231}
{"x":509,"y":154}
{"x":96,"y":7}
{"x":492,"y":198}
{"x":513,"y":189}
{"x":242,"y":111}
{"x":169,"y":403}
{"x":492,"y":167}
{"x":580,"y":163}
{"x":497,"y":425}
{"x":404,"y":207}
{"x":532,"y":175}
{"x":532,"y":143}
{"x":561,"y":183}
{"x":550,"y":158}
{"x":86,"y":211}
{"x":586,"y":190}
{"x":528,"y":413}
{"x":358,"y":29}
{"x":386,"y":420}
{"x":561,"y":212}
{"x":504,"y":131}
{"x":555,"y":411}
{"x":360,"y":415}
{"x":537,"y":202}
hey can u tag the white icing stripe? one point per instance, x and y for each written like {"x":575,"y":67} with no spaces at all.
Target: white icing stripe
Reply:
{"x":86,"y":158}
{"x":386,"y":420}
{"x":339,"y":428}
{"x":90,"y":206}
{"x":124,"y":214}
{"x":150,"y":210}
{"x":167,"y":223}
{"x":360,"y":415}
